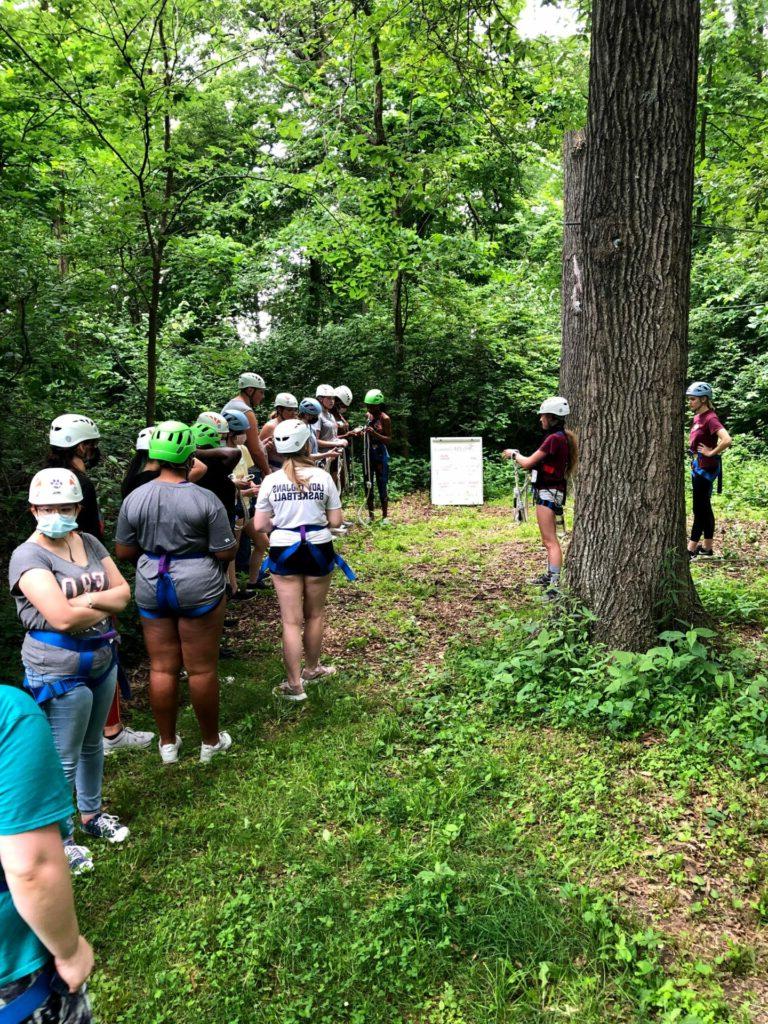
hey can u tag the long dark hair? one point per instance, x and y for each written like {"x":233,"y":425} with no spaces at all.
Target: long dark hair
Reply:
{"x":60,"y":458}
{"x":135,"y":466}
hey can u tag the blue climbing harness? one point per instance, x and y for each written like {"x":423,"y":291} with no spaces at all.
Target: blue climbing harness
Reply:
{"x":30,"y":1000}
{"x":708,"y":474}
{"x":324,"y":563}
{"x":86,"y":647}
{"x":165,"y":589}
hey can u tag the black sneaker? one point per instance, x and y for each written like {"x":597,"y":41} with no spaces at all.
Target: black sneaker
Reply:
{"x":706,"y":552}
{"x":541,"y":581}
{"x":243,"y":594}
{"x":258,"y":585}
{"x":696,"y":552}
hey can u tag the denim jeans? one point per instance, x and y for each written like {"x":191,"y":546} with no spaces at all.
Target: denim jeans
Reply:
{"x":77,"y":720}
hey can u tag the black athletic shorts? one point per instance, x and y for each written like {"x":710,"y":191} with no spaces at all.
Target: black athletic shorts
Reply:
{"x":301,"y":562}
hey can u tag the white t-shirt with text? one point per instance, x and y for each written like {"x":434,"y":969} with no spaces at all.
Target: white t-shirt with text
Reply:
{"x":291,"y":507}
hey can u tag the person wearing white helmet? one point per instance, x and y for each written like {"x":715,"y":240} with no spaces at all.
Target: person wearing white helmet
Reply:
{"x":67,"y":588}
{"x":300,"y":504}
{"x":74,"y":445}
{"x":286,"y":408}
{"x":550,"y":465}
{"x":708,"y":440}
{"x":249,"y":398}
{"x":342,"y":403}
{"x":326,"y":429}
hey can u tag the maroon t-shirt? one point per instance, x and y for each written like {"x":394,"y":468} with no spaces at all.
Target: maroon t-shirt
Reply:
{"x":704,"y":431}
{"x":551,"y":469}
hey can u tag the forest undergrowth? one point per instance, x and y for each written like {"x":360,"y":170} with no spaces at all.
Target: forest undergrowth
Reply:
{"x":481,"y":818}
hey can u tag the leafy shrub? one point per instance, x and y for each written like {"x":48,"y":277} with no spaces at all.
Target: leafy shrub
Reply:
{"x":551,"y":670}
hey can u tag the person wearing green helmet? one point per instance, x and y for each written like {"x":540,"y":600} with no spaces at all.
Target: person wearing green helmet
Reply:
{"x":180,"y":538}
{"x":142,"y":469}
{"x":377,"y":436}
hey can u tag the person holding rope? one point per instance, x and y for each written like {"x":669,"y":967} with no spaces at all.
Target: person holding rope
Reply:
{"x":708,"y":440}
{"x":44,"y":960}
{"x":551,"y":465}
{"x":67,"y":588}
{"x":180,"y":538}
{"x":377,"y":435}
{"x":300,"y":503}
{"x":343,"y":432}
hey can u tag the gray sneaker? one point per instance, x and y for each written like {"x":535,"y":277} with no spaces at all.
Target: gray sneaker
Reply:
{"x":78,"y":857}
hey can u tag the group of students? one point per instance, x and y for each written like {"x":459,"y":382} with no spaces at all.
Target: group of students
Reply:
{"x":189,"y":494}
{"x":555,"y":459}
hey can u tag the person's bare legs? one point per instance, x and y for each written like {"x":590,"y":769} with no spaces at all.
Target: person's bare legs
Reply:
{"x":161,"y":637}
{"x":231,"y":573}
{"x":315,"y":595}
{"x":259,"y":548}
{"x":548,"y":529}
{"x":290,"y":595}
{"x":200,"y":639}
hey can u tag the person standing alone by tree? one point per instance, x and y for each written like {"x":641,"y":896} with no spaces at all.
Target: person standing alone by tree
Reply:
{"x":551,"y":465}
{"x":708,"y":440}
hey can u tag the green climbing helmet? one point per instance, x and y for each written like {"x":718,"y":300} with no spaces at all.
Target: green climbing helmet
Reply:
{"x":171,"y":442}
{"x":374,"y":397}
{"x":205,"y":435}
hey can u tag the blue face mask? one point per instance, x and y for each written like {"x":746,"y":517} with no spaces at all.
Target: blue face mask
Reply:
{"x":55,"y":526}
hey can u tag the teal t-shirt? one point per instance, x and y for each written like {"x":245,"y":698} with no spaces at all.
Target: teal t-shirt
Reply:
{"x":33,"y":794}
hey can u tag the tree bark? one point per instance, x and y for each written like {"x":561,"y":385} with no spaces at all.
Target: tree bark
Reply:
{"x":628,"y":561}
{"x":574,"y":153}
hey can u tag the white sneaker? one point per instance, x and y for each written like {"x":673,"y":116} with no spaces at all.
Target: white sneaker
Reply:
{"x":208,"y":750}
{"x":169,"y":752}
{"x":127,"y":737}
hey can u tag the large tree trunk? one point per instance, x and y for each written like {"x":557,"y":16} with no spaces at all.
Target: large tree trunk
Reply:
{"x":627,"y":560}
{"x":572,"y":305}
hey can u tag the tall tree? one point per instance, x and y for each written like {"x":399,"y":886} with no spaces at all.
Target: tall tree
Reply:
{"x":627,"y":560}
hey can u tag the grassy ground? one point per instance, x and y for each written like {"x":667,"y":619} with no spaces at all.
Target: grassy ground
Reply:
{"x":402,"y":850}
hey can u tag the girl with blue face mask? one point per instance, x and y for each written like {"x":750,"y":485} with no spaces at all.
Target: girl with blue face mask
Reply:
{"x":67,"y":589}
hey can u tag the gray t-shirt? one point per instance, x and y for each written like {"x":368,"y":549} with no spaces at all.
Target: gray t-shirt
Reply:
{"x":74,"y":579}
{"x":327,"y":428}
{"x":181,"y":519}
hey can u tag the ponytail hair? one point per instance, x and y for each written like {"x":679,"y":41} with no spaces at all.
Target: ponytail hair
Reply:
{"x":296,"y":461}
{"x":573,"y":452}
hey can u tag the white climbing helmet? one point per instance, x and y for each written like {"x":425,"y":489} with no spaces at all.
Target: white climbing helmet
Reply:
{"x":142,"y":441}
{"x":55,"y":487}
{"x":215,"y":420}
{"x":325,"y":391}
{"x":251,"y":380}
{"x":286,"y":400}
{"x":343,"y":394}
{"x":290,"y":436}
{"x":555,"y":407}
{"x":70,"y":429}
